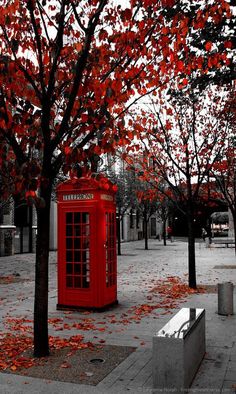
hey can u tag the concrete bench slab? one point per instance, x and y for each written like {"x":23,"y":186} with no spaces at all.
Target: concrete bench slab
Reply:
{"x":178,"y":349}
{"x":225,"y":242}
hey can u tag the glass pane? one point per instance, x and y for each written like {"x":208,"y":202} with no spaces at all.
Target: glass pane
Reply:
{"x":77,"y":217}
{"x":76,"y":243}
{"x":86,"y":243}
{"x":77,"y":230}
{"x":77,"y":281}
{"x":84,"y":281}
{"x":69,"y":256}
{"x":69,"y":268}
{"x":83,"y":256}
{"x":69,"y":243}
{"x":69,"y":231}
{"x":84,"y":269}
{"x":86,"y":218}
{"x":69,"y":281}
{"x":69,"y":217}
{"x":77,"y":269}
{"x":77,"y":256}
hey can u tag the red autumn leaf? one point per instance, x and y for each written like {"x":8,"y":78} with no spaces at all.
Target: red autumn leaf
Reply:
{"x":126,"y":14}
{"x":30,"y":193}
{"x":78,"y":46}
{"x":208,"y":45}
{"x":6,"y":279}
{"x":168,"y":3}
{"x":65,"y":364}
{"x":228,"y":44}
{"x":185,"y":81}
{"x":165,"y":30}
{"x":180,"y":65}
{"x":67,"y":150}
{"x":97,"y":150}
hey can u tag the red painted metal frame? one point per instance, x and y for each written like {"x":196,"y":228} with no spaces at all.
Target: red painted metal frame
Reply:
{"x":85,"y":196}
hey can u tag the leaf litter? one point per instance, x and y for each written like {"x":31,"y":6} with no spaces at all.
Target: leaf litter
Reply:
{"x":164,"y":296}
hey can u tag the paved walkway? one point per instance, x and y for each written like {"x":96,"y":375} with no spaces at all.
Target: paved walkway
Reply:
{"x":138,"y":272}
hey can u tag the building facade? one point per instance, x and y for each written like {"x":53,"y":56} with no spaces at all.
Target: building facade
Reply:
{"x":18,"y":227}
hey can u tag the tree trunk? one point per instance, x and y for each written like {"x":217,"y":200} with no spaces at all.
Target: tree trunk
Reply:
{"x":146,"y":234}
{"x":164,"y":232}
{"x":118,"y":236}
{"x":191,"y":250}
{"x":30,"y":230}
{"x":41,"y":344}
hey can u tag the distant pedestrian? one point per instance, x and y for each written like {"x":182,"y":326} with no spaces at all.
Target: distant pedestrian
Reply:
{"x":169,"y":232}
{"x":204,"y":234}
{"x":209,"y":235}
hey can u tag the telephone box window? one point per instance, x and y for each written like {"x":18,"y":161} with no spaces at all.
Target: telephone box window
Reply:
{"x":69,"y":269}
{"x":69,"y":243}
{"x":69,"y":217}
{"x":69,"y":281}
{"x":77,"y":257}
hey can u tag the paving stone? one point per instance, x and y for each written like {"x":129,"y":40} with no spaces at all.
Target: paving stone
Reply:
{"x":232,"y":367}
{"x":229,"y":386}
{"x":144,"y":377}
{"x":128,"y":370}
{"x":230,"y":375}
{"x":210,"y":374}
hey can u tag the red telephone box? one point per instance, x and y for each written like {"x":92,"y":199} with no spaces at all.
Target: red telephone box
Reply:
{"x":87,"y":262}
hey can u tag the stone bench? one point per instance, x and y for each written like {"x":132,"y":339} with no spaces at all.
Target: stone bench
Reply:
{"x":226,"y":242}
{"x":178,"y":349}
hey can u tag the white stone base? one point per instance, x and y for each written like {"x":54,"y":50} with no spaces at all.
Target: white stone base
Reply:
{"x":178,"y":350}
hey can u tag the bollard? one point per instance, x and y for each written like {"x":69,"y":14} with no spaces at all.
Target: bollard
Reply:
{"x":225,"y":298}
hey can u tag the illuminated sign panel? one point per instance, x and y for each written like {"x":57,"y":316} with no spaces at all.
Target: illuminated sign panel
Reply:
{"x":69,"y":197}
